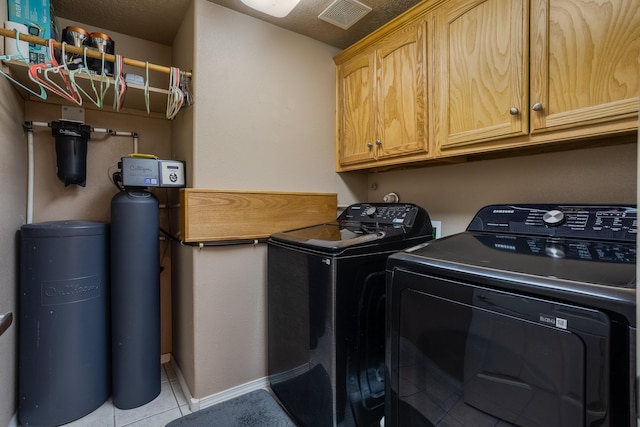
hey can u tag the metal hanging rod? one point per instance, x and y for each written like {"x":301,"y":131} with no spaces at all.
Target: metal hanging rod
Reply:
{"x":90,"y":53}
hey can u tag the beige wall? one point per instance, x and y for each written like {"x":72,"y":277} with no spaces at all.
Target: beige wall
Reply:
{"x":454,"y":193}
{"x":182,"y":258}
{"x":263,"y":120}
{"x":13,"y":163}
{"x":13,"y":186}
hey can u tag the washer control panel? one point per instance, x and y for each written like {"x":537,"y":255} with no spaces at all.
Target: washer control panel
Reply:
{"x":607,"y":222}
{"x":400,"y":214}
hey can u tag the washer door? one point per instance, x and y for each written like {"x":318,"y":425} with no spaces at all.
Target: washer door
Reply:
{"x":367,"y":352}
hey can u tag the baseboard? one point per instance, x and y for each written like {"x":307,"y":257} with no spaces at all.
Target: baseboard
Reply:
{"x":204,"y":402}
{"x":230,"y":393}
{"x":194,"y":404}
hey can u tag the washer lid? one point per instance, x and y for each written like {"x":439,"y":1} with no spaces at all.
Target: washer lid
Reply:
{"x":337,"y":236}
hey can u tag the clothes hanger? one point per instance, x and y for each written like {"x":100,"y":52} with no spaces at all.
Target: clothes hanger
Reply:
{"x":52,"y":67}
{"x":120,"y":87}
{"x":146,"y":87}
{"x":19,"y":56}
{"x":84,"y":69}
{"x":175,"y":99}
{"x":186,"y":90}
{"x":104,"y":82}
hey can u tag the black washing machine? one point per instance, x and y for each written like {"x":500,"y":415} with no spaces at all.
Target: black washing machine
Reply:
{"x":326,"y":312}
{"x":527,"y":318}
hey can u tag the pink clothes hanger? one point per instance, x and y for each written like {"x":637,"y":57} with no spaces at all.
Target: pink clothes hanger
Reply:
{"x":42,"y":74}
{"x":120,"y":84}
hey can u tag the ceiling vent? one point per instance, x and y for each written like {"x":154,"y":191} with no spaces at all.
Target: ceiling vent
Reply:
{"x":344,"y":13}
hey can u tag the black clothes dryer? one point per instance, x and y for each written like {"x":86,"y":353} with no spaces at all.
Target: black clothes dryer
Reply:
{"x":527,"y":318}
{"x":326,"y":312}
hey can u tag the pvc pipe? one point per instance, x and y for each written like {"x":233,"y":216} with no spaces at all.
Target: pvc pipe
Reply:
{"x":31,"y":166}
{"x":112,"y":132}
{"x":101,"y":130}
{"x":30,"y":176}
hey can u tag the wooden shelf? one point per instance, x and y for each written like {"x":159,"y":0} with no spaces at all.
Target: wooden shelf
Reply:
{"x":134,"y":102}
{"x":219,"y":215}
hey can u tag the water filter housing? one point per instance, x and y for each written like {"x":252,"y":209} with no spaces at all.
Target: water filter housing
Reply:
{"x":71,"y":151}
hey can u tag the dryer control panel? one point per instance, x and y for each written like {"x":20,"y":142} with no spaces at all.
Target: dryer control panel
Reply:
{"x":597,"y":222}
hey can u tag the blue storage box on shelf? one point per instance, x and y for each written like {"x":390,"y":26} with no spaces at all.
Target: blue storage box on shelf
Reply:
{"x":36,"y":15}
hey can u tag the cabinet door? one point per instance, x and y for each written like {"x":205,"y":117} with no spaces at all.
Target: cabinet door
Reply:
{"x":584,"y":61}
{"x":401,"y":98}
{"x":483,"y":75}
{"x":355,"y":114}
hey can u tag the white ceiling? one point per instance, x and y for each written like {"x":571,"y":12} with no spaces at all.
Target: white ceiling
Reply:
{"x":158,"y":20}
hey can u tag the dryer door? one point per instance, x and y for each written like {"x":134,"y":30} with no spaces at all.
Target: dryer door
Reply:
{"x":464,"y":353}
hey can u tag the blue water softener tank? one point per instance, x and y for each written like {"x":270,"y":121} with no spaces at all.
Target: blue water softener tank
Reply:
{"x":135,"y":298}
{"x":63,"y":367}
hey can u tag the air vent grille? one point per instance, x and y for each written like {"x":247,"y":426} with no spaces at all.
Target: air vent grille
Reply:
{"x":344,"y":13}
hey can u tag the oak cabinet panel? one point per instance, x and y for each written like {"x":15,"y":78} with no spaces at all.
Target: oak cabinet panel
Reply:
{"x":382,"y":102}
{"x":401,"y":95}
{"x":517,"y":72}
{"x":355,"y":110}
{"x":482,"y":79}
{"x":584,"y":61}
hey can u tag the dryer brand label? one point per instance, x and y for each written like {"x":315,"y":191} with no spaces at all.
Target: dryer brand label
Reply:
{"x":558,"y":322}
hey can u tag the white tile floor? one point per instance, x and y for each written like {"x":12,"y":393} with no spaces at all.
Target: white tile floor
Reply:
{"x":168,"y":406}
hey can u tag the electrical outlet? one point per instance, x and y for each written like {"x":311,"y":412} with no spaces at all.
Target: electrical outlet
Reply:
{"x":437,"y":229}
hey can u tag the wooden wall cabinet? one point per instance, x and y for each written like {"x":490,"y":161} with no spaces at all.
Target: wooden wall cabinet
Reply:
{"x":585,"y":62}
{"x":452,"y":78}
{"x":381,"y":112}
{"x":482,"y":68}
{"x":513,"y":74}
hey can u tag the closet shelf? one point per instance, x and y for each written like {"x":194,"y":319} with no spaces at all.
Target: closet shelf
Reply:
{"x":134,"y":101}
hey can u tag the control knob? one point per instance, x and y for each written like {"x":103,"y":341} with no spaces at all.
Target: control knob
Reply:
{"x":554,"y":250}
{"x":370,"y":211}
{"x":553,"y":217}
